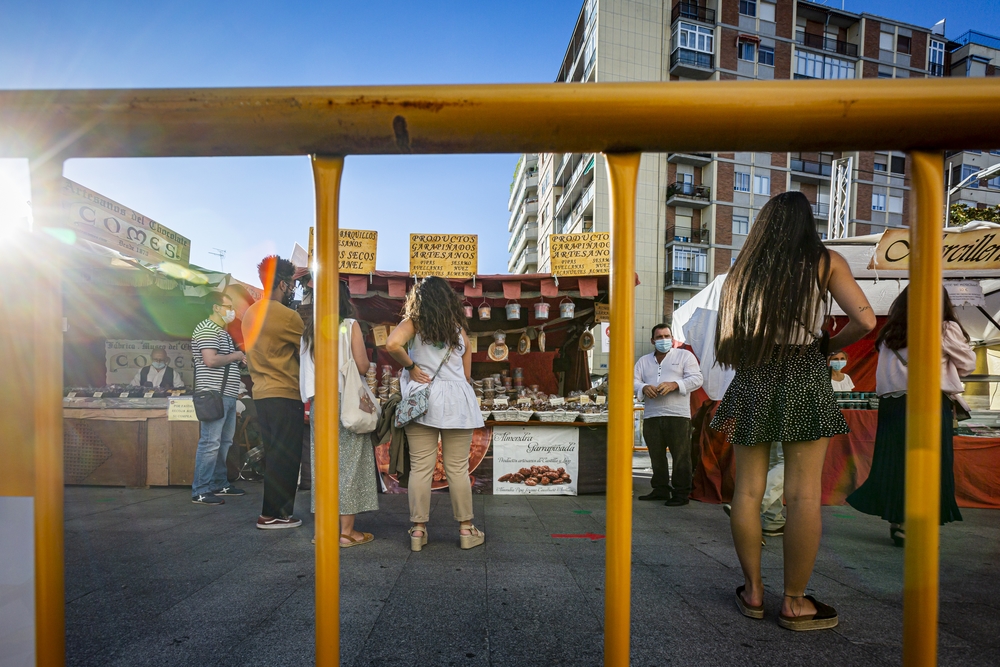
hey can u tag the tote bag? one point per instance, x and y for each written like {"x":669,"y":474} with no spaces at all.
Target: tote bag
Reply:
{"x":359,"y":411}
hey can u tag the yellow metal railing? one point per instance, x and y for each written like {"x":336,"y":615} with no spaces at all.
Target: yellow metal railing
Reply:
{"x":620,"y":120}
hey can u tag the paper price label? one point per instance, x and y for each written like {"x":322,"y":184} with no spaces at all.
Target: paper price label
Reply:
{"x":181,"y":410}
{"x":601,"y":400}
{"x":71,"y":394}
{"x":479,"y":401}
{"x":148,"y":394}
{"x":585,"y":400}
{"x":380,"y":336}
{"x":524,"y":401}
{"x":473,"y":344}
{"x":124,"y":394}
{"x":558,"y":401}
{"x":500,"y":402}
{"x":98,"y":394}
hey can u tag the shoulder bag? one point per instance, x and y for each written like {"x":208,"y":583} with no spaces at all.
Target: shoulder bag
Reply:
{"x":208,"y":402}
{"x":415,"y":404}
{"x":359,"y":410}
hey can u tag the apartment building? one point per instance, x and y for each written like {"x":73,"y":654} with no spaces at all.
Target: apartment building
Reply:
{"x":694,"y":211}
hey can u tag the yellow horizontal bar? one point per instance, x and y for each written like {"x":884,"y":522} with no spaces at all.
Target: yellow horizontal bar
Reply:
{"x":610,"y":117}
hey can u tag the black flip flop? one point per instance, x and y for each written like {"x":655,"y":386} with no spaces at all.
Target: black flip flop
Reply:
{"x":745,"y":609}
{"x":824,"y":618}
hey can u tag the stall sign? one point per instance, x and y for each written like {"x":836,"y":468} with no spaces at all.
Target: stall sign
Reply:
{"x":444,"y":255}
{"x":965,"y":292}
{"x":602,"y":312}
{"x":473,"y":344}
{"x":181,"y":409}
{"x":112,"y":225}
{"x":517,"y":447}
{"x":125,"y":358}
{"x":380,"y":335}
{"x":586,"y":254}
{"x":605,"y":338}
{"x":963,"y":251}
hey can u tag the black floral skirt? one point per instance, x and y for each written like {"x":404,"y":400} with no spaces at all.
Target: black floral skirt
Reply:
{"x":786,"y":401}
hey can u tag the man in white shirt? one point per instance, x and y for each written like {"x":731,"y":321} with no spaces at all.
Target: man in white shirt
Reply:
{"x":158,"y":373}
{"x":665,"y":379}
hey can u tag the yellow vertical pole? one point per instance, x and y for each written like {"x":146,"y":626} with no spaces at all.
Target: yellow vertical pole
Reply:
{"x":923,"y":417}
{"x":326,"y":174}
{"x":50,"y":596}
{"x":623,"y":172}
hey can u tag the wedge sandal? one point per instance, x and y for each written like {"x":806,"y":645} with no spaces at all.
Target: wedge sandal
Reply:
{"x":747,"y":610}
{"x":473,"y":539}
{"x":824,"y":618}
{"x":417,"y":542}
{"x":366,"y":538}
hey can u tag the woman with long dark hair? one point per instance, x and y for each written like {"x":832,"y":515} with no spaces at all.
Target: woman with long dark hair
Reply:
{"x":771,"y":314}
{"x":357,"y":460}
{"x":883,"y":493}
{"x":432,"y":345}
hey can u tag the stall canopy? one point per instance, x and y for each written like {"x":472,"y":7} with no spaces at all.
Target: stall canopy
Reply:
{"x":379,"y":299}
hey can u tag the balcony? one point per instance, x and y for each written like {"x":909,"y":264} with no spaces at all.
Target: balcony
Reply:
{"x":700,"y":236}
{"x":527,"y":209}
{"x":694,"y":159}
{"x":692,"y":11}
{"x":582,"y":176}
{"x":809,"y":171}
{"x":683,"y":278}
{"x":692,"y":64}
{"x":821,"y":211}
{"x":527,"y":234}
{"x":822,"y":43}
{"x":682,"y":193}
{"x":526,"y":262}
{"x":935,"y":69}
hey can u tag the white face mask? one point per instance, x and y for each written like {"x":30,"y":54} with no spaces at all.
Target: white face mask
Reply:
{"x":229,"y":316}
{"x":159,"y":365}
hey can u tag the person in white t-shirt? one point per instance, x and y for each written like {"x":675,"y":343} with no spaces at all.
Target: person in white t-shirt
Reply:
{"x":841,"y":380}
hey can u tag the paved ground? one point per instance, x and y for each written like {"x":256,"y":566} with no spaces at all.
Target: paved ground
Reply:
{"x":155,"y":580}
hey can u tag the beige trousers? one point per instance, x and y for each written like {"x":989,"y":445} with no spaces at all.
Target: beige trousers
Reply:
{"x":455,"y":444}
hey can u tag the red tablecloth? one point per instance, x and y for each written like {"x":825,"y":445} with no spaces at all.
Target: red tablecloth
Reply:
{"x":848,"y":462}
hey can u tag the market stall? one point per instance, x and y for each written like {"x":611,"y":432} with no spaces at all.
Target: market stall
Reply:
{"x":530,"y":336}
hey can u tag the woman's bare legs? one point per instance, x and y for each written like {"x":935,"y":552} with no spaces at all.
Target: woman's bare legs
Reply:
{"x":347,"y":528}
{"x":751,"y":478}
{"x":804,"y":525}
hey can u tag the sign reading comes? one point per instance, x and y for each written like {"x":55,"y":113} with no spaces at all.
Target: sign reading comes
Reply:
{"x":963,"y":251}
{"x":112,"y":225}
{"x":580,"y":254}
{"x":444,"y":255}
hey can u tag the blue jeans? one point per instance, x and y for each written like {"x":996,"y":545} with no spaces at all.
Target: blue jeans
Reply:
{"x":213,"y":446}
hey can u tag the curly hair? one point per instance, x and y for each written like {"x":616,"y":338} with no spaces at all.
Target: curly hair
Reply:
{"x":436,"y":312}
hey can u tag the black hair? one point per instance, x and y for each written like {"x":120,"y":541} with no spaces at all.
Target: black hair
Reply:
{"x":657,"y":327}
{"x":275,"y":268}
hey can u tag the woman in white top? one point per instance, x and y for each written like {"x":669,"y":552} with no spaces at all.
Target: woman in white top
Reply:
{"x":841,"y":381}
{"x":357,"y":492}
{"x":884,"y":491}
{"x":432,"y":345}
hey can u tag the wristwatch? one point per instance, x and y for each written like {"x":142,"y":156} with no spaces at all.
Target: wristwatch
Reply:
{"x":410,"y":367}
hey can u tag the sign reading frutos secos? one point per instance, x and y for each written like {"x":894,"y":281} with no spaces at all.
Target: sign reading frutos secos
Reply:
{"x":108,"y":223}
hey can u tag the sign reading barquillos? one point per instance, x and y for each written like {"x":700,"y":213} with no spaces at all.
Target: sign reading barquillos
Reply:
{"x":963,"y":251}
{"x":357,"y":251}
{"x":444,"y":255}
{"x":112,"y":225}
{"x":585,"y":254}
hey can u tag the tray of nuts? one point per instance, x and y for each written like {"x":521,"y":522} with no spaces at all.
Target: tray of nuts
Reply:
{"x":537,"y":475}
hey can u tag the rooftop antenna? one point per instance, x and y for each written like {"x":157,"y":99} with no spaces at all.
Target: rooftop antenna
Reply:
{"x":221,"y":254}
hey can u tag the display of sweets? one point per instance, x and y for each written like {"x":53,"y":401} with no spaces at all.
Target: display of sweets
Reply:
{"x":856,"y":400}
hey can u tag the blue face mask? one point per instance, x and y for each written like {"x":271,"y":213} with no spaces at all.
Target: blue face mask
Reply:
{"x":663,"y":344}
{"x":159,"y":365}
{"x":838,"y":364}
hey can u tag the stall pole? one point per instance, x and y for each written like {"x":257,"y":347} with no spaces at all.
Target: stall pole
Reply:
{"x":623,"y":172}
{"x":50,"y":596}
{"x":923,"y":417}
{"x":326,"y":409}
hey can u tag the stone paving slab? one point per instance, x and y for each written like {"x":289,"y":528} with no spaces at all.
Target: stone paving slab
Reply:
{"x":152,"y":579}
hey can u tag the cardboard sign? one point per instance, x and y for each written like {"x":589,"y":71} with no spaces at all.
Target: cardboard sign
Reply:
{"x":602,"y":312}
{"x":112,"y":225}
{"x":500,"y":402}
{"x":444,"y":255}
{"x":124,"y":358}
{"x":380,"y":336}
{"x":965,"y":293}
{"x":975,"y":250}
{"x":601,"y":400}
{"x":524,"y":401}
{"x":357,"y":251}
{"x":586,"y":254}
{"x":181,"y":409}
{"x":518,"y":447}
{"x":558,"y":401}
{"x":473,"y":344}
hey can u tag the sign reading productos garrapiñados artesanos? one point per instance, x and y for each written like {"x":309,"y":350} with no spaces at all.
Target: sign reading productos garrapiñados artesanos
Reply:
{"x":444,"y":255}
{"x":586,"y":254}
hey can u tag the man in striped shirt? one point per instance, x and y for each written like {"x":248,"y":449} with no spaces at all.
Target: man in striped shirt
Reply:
{"x":216,"y":367}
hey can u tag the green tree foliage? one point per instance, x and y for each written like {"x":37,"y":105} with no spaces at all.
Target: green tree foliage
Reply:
{"x":962,"y":214}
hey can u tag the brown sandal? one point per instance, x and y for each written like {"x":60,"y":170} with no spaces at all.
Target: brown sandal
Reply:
{"x":824,"y":618}
{"x":367,"y":537}
{"x":747,"y":610}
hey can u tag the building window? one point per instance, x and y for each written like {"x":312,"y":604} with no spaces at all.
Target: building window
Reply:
{"x":690,"y":259}
{"x":695,"y":37}
{"x":903,"y":44}
{"x":878,"y":202}
{"x":886,"y":41}
{"x":936,"y":57}
{"x":994,"y":183}
{"x":969,"y":170}
{"x":885,"y":72}
{"x":765,"y":55}
{"x":767,"y":11}
{"x":741,"y":181}
{"x":895,"y":204}
{"x":815,"y":66}
{"x":741,"y":225}
{"x":880,"y":166}
{"x":762,"y":185}
{"x":748,"y":7}
{"x":897,"y":164}
{"x":745,"y":51}
{"x":994,"y":152}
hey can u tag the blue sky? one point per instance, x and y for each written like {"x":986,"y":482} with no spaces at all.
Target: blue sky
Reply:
{"x":251,"y":207}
